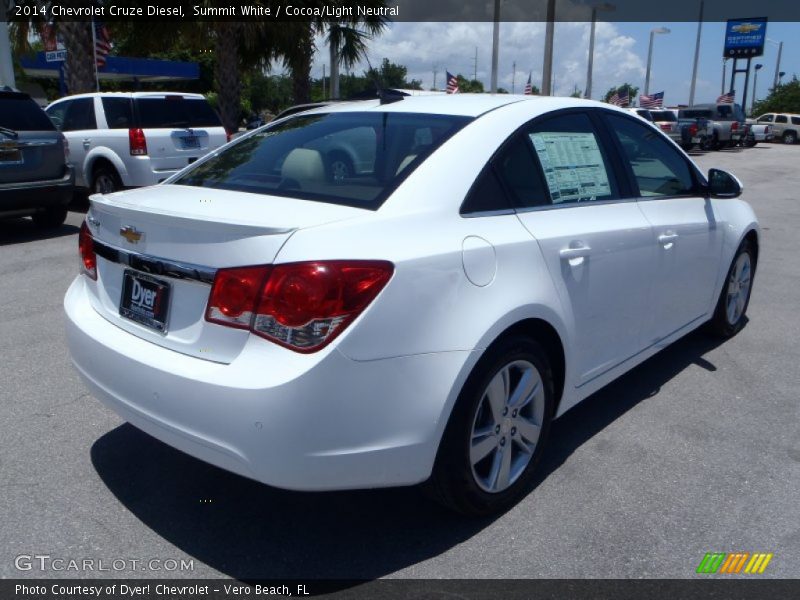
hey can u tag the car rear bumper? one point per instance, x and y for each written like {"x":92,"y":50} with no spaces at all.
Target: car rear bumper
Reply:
{"x":32,"y":196}
{"x":304,"y":422}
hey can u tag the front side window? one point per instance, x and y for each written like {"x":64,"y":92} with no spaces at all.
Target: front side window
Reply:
{"x":658,"y":168}
{"x":766,"y":119}
{"x":352,"y":158}
{"x":574,"y":163}
{"x":57,"y":113}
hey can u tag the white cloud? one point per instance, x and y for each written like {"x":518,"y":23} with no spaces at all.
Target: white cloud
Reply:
{"x":423,"y":46}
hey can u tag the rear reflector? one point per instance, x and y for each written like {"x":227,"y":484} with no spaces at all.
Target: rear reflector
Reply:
{"x":302,"y":306}
{"x":86,"y":250}
{"x":137,"y":142}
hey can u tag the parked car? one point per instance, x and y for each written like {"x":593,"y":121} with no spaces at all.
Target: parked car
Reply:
{"x":725,"y":123}
{"x":120,"y":140}
{"x":644,"y":113}
{"x":35,"y":179}
{"x":423,"y":321}
{"x":756,"y":132}
{"x":784,"y":127}
{"x":667,"y":121}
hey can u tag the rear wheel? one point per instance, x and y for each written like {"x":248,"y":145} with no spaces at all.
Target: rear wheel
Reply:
{"x":790,"y":137}
{"x":105,"y":180}
{"x":729,"y":315}
{"x":497,"y":432}
{"x":50,"y":218}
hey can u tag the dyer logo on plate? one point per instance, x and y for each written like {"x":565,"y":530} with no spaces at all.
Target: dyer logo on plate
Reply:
{"x":145,"y":300}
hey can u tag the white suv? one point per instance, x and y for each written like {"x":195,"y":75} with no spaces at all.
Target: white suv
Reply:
{"x":119,"y":140}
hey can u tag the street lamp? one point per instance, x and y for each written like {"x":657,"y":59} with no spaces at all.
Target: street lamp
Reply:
{"x":755,"y":84}
{"x":595,"y":7}
{"x":776,"y":81}
{"x":653,"y":32}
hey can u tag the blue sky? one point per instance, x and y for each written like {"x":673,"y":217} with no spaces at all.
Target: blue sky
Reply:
{"x":620,"y":55}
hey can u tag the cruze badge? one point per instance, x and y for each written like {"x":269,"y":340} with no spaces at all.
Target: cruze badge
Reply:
{"x":130,"y":234}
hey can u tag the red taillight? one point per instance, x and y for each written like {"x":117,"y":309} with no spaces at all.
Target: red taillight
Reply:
{"x":693,"y":130}
{"x":86,"y":250}
{"x":734,"y":126}
{"x":666,"y":127}
{"x":302,"y":306}
{"x":137,"y":142}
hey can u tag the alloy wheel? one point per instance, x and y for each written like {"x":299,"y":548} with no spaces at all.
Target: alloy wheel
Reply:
{"x":738,"y":289}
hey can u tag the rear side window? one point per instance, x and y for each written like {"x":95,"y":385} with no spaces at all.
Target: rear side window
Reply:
{"x":659,"y":168}
{"x":80,"y":115}
{"x":795,"y":120}
{"x":352,"y":158}
{"x":695,"y":114}
{"x":20,"y":113}
{"x":175,"y":111}
{"x":572,"y":158}
{"x":119,"y":113}
{"x":486,"y":195}
{"x":781,"y":119}
{"x":517,"y":167}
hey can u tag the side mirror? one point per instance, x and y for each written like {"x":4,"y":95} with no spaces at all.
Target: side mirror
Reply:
{"x":722,"y":184}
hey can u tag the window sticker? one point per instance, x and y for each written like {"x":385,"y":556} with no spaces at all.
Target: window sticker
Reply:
{"x":573,"y":166}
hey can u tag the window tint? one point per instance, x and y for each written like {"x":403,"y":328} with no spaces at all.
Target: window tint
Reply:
{"x":517,"y":167}
{"x":118,"y":113}
{"x":57,"y":112}
{"x":695,"y":113}
{"x":20,"y":113}
{"x":766,"y":119}
{"x":486,"y":194}
{"x":80,"y":115}
{"x":573,"y":161}
{"x":175,"y":111}
{"x":663,"y":115}
{"x":781,"y":119}
{"x":353,"y":158}
{"x":659,"y":168}
{"x":796,"y":120}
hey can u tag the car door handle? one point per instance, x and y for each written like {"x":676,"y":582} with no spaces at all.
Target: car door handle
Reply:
{"x":87,"y":143}
{"x":667,"y":238}
{"x":579,"y":252}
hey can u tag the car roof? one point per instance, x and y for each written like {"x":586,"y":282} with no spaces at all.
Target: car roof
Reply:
{"x":467,"y":105}
{"x":130,"y":95}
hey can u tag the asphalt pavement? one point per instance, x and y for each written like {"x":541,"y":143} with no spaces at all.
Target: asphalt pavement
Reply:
{"x":697,"y":450}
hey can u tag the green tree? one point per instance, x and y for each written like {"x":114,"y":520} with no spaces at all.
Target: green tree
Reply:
{"x":469,"y":86}
{"x":392,"y":75}
{"x":783,"y":98}
{"x":632,"y":90}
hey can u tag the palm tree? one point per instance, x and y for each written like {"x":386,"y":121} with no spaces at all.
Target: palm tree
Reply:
{"x":77,"y":35}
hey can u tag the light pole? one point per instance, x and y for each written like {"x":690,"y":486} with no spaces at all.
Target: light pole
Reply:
{"x":595,"y":7}
{"x":776,"y":81}
{"x":6,"y":64}
{"x":653,"y":32}
{"x":755,"y":84}
{"x":495,"y":45}
{"x":724,"y":74}
{"x":547,"y":68}
{"x":696,"y":54}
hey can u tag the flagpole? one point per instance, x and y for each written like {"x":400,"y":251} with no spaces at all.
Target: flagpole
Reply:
{"x":94,"y":53}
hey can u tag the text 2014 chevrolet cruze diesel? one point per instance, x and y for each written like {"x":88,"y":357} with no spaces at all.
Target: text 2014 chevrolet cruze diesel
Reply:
{"x":491,"y":262}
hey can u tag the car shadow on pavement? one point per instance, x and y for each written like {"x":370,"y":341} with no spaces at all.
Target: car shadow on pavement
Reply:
{"x":251,"y":531}
{"x":21,"y":230}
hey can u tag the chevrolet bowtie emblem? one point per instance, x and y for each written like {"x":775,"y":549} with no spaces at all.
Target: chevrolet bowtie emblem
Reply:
{"x":130,"y":234}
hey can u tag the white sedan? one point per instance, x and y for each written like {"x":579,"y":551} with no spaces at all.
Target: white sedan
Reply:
{"x":421,"y":319}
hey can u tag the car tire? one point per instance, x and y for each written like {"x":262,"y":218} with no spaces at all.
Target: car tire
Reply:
{"x":734,"y":298}
{"x":105,"y":180}
{"x":340,"y":167}
{"x":487,"y":457}
{"x":50,"y":218}
{"x":790,"y":137}
{"x":750,"y":143}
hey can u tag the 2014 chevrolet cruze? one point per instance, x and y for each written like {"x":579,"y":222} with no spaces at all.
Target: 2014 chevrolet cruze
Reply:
{"x":423,"y":317}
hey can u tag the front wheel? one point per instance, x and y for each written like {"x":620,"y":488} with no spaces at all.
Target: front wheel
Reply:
{"x":729,"y":315}
{"x":497,"y":432}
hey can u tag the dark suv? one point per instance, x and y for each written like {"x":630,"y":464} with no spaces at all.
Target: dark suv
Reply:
{"x":35,"y":179}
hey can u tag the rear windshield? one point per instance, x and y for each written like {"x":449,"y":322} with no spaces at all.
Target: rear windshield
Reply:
{"x":351,"y":158}
{"x":696,"y":113}
{"x":175,"y":111}
{"x":663,"y":115}
{"x":20,"y":113}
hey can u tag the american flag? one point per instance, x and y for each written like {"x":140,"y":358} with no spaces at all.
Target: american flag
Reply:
{"x":102,"y":43}
{"x":727,"y":98}
{"x":619,"y":99}
{"x":528,"y":87}
{"x":654,"y":101}
{"x":452,"y":83}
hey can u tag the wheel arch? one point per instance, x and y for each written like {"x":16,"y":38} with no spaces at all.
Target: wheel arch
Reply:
{"x":102,"y":156}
